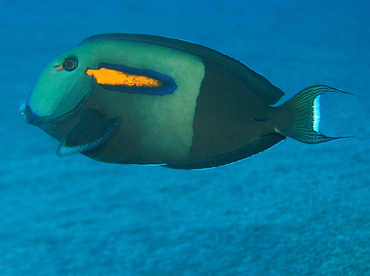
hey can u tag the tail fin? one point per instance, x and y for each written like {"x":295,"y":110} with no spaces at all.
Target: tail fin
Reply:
{"x":303,"y":112}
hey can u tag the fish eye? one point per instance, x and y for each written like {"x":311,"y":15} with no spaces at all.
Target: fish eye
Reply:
{"x":70,"y":63}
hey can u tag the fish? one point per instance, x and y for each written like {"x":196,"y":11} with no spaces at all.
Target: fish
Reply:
{"x":153,"y":100}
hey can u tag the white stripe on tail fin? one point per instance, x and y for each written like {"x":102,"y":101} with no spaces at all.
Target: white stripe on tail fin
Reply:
{"x":302,"y":115}
{"x":316,"y":114}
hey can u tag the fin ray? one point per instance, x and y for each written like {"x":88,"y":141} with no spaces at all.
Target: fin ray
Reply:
{"x":91,"y":131}
{"x":304,"y":109}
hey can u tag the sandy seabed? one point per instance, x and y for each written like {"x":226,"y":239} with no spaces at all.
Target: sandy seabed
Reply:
{"x":295,"y":209}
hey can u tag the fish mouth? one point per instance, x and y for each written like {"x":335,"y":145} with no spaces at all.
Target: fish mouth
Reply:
{"x":32,"y":118}
{"x":29,"y":116}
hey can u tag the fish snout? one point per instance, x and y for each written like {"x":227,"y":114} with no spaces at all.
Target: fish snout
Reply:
{"x":28,"y":115}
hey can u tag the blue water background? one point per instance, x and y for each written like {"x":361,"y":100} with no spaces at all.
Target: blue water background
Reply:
{"x":295,"y":209}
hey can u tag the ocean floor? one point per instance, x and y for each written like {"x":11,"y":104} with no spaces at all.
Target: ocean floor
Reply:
{"x":295,"y":209}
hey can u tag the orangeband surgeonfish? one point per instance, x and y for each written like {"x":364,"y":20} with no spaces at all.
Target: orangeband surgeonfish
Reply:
{"x":144,"y":99}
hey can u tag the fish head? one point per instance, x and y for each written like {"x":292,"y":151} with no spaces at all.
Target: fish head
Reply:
{"x":99,"y":62}
{"x":61,"y":87}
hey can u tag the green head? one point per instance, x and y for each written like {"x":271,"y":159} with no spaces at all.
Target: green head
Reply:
{"x":62,"y":85}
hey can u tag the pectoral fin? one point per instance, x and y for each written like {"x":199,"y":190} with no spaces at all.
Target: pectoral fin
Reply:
{"x":91,"y":131}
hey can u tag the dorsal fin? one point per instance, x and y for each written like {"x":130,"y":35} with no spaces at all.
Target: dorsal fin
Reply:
{"x":262,"y":88}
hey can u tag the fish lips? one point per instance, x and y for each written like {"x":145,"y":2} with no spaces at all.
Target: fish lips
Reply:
{"x":31,"y":117}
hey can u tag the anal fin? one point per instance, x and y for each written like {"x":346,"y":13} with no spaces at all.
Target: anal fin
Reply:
{"x":261,"y":144}
{"x":92,"y":130}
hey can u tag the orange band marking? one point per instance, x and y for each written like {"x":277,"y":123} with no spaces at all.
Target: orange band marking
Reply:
{"x":113,"y":77}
